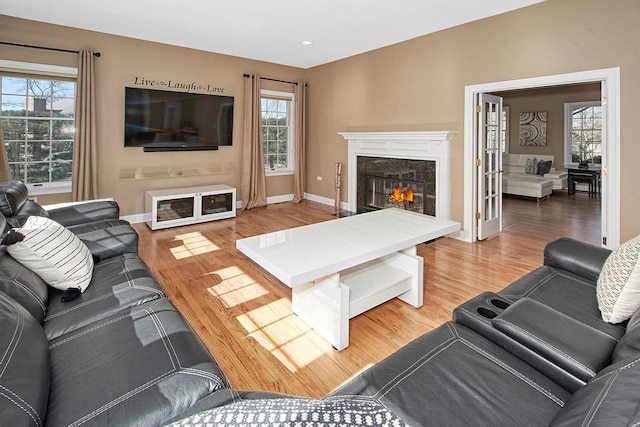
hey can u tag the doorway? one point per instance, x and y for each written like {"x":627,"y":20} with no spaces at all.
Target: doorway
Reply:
{"x":610,"y":89}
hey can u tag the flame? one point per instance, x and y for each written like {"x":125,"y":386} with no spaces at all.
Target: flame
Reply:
{"x":399,"y":196}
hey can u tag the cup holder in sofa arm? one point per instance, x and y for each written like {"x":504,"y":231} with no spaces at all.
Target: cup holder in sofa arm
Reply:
{"x":571,"y":345}
{"x":478,"y":312}
{"x":485,"y":312}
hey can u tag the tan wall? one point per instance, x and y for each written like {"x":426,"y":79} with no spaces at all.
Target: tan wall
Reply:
{"x":419,"y":84}
{"x":415,"y":85}
{"x":122,"y":60}
{"x":552,"y":101}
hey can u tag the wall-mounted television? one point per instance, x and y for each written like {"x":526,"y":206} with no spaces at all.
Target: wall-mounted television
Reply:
{"x":160,"y":120}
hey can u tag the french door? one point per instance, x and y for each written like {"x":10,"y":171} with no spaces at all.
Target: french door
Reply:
{"x":489,"y":165}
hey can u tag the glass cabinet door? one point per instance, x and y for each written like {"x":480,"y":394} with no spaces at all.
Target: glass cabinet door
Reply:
{"x":172,"y":209}
{"x":216,"y":203}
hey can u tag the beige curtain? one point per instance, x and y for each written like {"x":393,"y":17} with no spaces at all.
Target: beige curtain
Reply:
{"x":84,"y":184}
{"x":300,"y":143}
{"x":252,"y":184}
{"x":4,"y":161}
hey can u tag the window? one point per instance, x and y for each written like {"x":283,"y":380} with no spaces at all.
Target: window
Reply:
{"x":37,"y":115}
{"x":583,"y":133}
{"x":277,"y":131}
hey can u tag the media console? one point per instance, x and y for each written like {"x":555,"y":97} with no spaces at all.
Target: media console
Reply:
{"x":191,"y":205}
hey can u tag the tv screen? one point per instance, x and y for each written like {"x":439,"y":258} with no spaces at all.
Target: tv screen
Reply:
{"x":161,"y":120}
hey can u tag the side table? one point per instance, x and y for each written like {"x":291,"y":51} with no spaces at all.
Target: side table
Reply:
{"x":588,"y":176}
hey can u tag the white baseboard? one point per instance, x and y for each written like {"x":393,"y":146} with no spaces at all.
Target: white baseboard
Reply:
{"x":280,"y":199}
{"x":137,"y":218}
{"x":324,"y":200}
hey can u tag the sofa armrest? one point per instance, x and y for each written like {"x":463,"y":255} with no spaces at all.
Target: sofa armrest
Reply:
{"x":75,"y":213}
{"x":577,"y":257}
{"x":571,"y":345}
{"x":111,"y":241}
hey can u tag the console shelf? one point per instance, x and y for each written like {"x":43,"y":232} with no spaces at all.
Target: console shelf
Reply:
{"x":191,"y":205}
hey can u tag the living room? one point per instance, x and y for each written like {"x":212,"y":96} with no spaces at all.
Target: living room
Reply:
{"x":340,"y":93}
{"x":417,"y":85}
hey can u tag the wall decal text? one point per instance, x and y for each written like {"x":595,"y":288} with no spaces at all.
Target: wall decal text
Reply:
{"x":171,"y":84}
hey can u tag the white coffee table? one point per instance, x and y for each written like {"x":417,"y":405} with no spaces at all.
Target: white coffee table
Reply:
{"x":340,"y":268}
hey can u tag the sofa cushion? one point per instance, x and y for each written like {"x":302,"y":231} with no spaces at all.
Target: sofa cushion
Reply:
{"x":24,"y":286}
{"x":53,"y":252}
{"x":140,"y":367}
{"x":618,"y":288}
{"x":454,"y":376}
{"x":118,"y":283}
{"x":544,"y":166}
{"x":609,"y":399}
{"x":24,"y":367}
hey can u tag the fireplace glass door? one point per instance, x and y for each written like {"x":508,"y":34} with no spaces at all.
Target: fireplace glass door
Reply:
{"x":385,"y":192}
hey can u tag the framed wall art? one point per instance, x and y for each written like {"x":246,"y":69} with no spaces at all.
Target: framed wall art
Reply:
{"x":533,"y":128}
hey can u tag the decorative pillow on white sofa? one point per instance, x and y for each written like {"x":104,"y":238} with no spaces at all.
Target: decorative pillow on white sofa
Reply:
{"x":618,"y":287}
{"x":530,"y":166}
{"x":53,"y":252}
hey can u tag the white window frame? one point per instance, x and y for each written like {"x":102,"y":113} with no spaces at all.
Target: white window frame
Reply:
{"x":568,"y":119}
{"x":264,"y":93}
{"x":51,"y":72}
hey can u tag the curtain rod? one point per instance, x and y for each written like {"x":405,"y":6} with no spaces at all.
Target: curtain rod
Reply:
{"x":96,"y":54}
{"x":273,"y":80}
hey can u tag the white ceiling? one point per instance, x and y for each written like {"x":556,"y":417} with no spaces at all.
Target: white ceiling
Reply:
{"x":265,"y":30}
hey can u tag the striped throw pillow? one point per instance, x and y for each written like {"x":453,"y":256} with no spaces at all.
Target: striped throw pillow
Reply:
{"x":54,"y":253}
{"x":618,"y":287}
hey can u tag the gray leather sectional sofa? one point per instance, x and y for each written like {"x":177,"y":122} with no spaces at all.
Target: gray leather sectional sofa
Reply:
{"x":536,"y":353}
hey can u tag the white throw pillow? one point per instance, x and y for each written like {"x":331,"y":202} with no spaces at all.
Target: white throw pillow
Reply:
{"x":530,"y":166}
{"x":54,"y":253}
{"x":618,"y":288}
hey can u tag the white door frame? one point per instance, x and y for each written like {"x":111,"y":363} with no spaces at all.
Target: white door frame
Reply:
{"x":610,"y":201}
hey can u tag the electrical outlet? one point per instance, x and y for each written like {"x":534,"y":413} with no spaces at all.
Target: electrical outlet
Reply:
{"x":319,"y":178}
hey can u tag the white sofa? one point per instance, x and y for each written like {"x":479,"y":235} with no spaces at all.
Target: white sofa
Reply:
{"x":515,"y":181}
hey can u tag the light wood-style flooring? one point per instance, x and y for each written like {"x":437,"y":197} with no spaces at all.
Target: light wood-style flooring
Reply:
{"x":243,"y":314}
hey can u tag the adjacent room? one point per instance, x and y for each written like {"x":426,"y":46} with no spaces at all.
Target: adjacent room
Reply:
{"x":319,"y":213}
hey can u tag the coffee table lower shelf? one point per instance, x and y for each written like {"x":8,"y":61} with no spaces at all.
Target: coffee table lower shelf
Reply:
{"x":327,"y":304}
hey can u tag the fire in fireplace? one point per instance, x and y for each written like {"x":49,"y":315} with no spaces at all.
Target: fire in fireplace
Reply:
{"x":405,"y":183}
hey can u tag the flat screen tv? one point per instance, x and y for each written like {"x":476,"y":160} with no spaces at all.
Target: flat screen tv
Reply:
{"x":161,"y":120}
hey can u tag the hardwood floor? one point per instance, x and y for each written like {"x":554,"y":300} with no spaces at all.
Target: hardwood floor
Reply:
{"x":243,"y":314}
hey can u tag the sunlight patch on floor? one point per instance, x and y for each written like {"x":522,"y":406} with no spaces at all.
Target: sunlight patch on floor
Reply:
{"x":282,"y":333}
{"x":192,"y":244}
{"x":236,"y":287}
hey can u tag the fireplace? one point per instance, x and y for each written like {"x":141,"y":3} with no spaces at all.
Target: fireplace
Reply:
{"x":381,"y":161}
{"x":379,"y":177}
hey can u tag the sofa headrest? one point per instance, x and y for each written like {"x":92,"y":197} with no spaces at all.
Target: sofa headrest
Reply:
{"x":13,"y":194}
{"x":23,"y":286}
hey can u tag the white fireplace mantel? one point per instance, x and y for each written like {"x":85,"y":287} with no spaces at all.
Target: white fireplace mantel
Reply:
{"x":420,"y":145}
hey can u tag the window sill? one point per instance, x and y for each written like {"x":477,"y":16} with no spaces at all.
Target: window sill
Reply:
{"x":40,"y":190}
{"x":278,"y":172}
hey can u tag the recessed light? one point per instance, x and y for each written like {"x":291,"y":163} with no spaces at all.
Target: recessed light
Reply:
{"x":307,"y":42}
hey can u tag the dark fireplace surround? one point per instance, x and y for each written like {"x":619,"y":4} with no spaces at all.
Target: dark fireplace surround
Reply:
{"x":377,"y":177}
